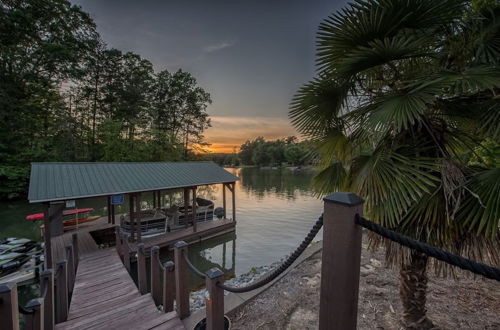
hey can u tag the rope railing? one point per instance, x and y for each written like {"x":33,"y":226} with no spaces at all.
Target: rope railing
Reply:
{"x":28,"y":311}
{"x":439,"y":254}
{"x":193,"y":268}
{"x":287,"y":263}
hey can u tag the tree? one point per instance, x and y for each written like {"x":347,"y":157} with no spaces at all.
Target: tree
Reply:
{"x":405,"y":93}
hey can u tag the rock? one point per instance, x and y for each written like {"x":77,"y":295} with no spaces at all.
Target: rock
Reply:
{"x":302,"y":318}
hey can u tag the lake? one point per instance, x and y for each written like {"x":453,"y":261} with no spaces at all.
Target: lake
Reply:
{"x":275,"y":209}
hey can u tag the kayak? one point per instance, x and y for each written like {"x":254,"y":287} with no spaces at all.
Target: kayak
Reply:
{"x":73,"y":222}
{"x":40,"y":216}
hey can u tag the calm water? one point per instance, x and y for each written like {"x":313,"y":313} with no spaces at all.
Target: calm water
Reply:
{"x":275,"y":208}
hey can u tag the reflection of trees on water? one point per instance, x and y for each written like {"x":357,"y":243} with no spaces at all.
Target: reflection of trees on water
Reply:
{"x":200,"y":254}
{"x":282,"y":182}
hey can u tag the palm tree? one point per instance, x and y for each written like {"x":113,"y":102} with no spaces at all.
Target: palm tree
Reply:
{"x":406,"y":95}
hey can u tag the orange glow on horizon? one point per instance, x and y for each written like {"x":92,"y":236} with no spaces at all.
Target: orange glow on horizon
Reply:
{"x":228,"y":133}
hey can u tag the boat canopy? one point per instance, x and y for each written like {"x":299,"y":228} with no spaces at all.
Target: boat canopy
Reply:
{"x":67,"y":181}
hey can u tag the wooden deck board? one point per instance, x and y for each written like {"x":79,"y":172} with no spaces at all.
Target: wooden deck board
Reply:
{"x":105,"y":297}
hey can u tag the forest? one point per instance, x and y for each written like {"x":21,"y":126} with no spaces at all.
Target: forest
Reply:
{"x":261,"y":152}
{"x":66,"y":96}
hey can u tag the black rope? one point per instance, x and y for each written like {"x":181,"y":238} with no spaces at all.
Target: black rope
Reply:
{"x":192,"y":267}
{"x":450,"y":258}
{"x":287,"y":263}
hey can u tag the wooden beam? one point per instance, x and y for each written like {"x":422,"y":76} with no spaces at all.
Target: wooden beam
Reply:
{"x":109,"y":208}
{"x":234,"y":201}
{"x":141,"y":269}
{"x":113,"y":214}
{"x":224,"y":199}
{"x":215,"y":302}
{"x":47,"y":236}
{"x":195,"y":218}
{"x":154,"y":199}
{"x":138,"y":216}
{"x":131,"y":214}
{"x":9,"y":312}
{"x":168,"y":289}
{"x":181,"y":280}
{"x":186,"y":206}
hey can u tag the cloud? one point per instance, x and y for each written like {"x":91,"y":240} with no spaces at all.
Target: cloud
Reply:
{"x":229,"y":132}
{"x":219,"y":46}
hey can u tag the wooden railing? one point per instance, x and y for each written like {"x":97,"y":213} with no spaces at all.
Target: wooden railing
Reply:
{"x":51,"y":307}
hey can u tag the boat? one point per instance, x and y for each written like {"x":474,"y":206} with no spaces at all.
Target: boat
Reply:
{"x":159,"y":221}
{"x":18,"y":259}
{"x":41,"y":216}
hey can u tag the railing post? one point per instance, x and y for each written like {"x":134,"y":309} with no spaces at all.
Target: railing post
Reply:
{"x":126,"y":252}
{"x":76,"y":252}
{"x":181,"y":280}
{"x":168,"y":289}
{"x":215,"y":302}
{"x":340,"y":261}
{"x":47,"y":281}
{"x":155,"y":275}
{"x":71,"y":268}
{"x":35,"y":321}
{"x":141,"y":269}
{"x":62,"y":292}
{"x":118,"y":245}
{"x":9,"y":313}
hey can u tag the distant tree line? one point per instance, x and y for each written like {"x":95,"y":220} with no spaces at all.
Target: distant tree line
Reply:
{"x":65,"y":96}
{"x":262,"y":152}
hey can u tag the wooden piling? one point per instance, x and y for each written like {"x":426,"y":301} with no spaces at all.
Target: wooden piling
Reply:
{"x":70,"y":257}
{"x":36,"y":320}
{"x":215,"y":302}
{"x":61,"y":295}
{"x":47,"y":286}
{"x":168,"y":288}
{"x":141,"y":269}
{"x":76,"y":252}
{"x":181,"y":280}
{"x":9,"y":313}
{"x":156,"y":288}
{"x":340,"y":262}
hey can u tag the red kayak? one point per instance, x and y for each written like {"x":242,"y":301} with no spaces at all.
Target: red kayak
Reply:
{"x":40,"y":216}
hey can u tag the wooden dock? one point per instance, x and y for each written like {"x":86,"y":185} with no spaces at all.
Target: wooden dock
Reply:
{"x":105,"y":297}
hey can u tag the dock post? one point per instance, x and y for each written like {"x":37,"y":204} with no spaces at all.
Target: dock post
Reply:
{"x":61,"y":312}
{"x":155,"y":275}
{"x":9,"y":313}
{"x":340,"y":261}
{"x":141,"y":269}
{"x":118,"y":244}
{"x":76,"y":252}
{"x":181,"y":280}
{"x":126,"y":251}
{"x":70,"y":257}
{"x":35,"y":321}
{"x":215,"y":302}
{"x":168,"y":289}
{"x":47,"y":285}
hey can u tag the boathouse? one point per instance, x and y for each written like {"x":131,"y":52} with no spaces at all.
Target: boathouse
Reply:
{"x":54,"y":184}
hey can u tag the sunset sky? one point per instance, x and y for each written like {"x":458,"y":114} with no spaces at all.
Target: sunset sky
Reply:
{"x":251,"y":56}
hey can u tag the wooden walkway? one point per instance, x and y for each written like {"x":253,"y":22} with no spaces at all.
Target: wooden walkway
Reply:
{"x":106,"y":297}
{"x":86,"y":244}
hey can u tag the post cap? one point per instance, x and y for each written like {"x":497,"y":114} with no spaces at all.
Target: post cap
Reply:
{"x":180,"y":244}
{"x":345,"y":198}
{"x":46,"y":272}
{"x":62,"y":262}
{"x":169,"y":264}
{"x":214,"y":273}
{"x":33,"y":303}
{"x":7,"y":287}
{"x":155,"y":248}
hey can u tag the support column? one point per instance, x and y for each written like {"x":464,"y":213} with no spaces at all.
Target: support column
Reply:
{"x":47,"y":235}
{"x":195,"y":218}
{"x":109,"y":209}
{"x":224,"y":199}
{"x":234,"y":201}
{"x":113,"y":214}
{"x":215,"y":302}
{"x":131,"y":212}
{"x":186,"y":206}
{"x":181,"y":280}
{"x":138,"y":216}
{"x":340,"y":261}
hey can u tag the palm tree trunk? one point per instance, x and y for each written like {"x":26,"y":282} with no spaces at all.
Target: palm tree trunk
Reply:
{"x":412,"y":290}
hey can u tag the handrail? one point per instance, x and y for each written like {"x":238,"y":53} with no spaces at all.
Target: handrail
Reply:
{"x":450,"y":258}
{"x":287,"y":263}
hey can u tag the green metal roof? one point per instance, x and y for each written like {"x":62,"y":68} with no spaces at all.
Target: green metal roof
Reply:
{"x":64,"y":181}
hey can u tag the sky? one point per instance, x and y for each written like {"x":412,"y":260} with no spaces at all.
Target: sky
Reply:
{"x":251,"y":56}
